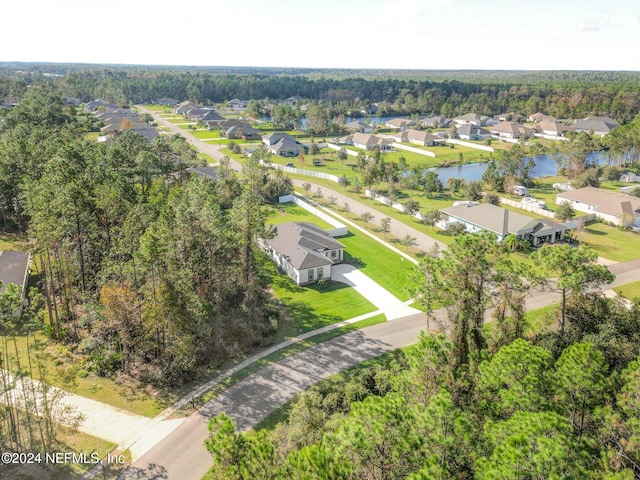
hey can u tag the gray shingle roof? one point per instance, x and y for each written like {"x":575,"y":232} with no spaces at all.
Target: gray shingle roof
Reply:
{"x":302,"y":244}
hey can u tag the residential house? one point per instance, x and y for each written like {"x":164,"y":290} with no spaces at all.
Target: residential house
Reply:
{"x":242,"y":132}
{"x":147,"y":131}
{"x":436,"y":122}
{"x":400,"y":123}
{"x":291,"y":101}
{"x":478,"y":217}
{"x":629,"y":177}
{"x":95,"y":104}
{"x":540,"y":117}
{"x":367,"y":141}
{"x":224,"y":123}
{"x":511,"y":130}
{"x":237,"y":104}
{"x":469,"y":131}
{"x":417,"y":137}
{"x":184,"y":107}
{"x":359,"y":127}
{"x":9,"y":102}
{"x":304,"y":251}
{"x":598,"y":125}
{"x":283,"y":144}
{"x":198,"y":113}
{"x":509,"y":117}
{"x":472,"y":119}
{"x":617,"y":208}
{"x":170,"y":102}
{"x":552,"y":128}
{"x":210,"y":116}
{"x":14,"y":268}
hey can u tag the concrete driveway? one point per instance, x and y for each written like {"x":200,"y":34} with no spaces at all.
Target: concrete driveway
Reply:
{"x":390,"y":305}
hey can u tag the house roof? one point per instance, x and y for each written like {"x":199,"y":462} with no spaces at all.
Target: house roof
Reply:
{"x":470,"y":117}
{"x":273,"y":138}
{"x":14,"y":268}
{"x":245,"y":130}
{"x":286,"y":145}
{"x":553,"y":126}
{"x":597,"y":124}
{"x":421,"y":135}
{"x":493,"y":218}
{"x":400,"y":122}
{"x":470,"y":129}
{"x":93,"y":104}
{"x":611,"y":203}
{"x":211,"y":115}
{"x":511,"y":127}
{"x":357,"y":124}
{"x":206,"y":172}
{"x":302,"y":244}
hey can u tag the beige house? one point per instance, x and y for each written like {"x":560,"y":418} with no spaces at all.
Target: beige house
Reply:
{"x":617,"y":208}
{"x":511,"y":130}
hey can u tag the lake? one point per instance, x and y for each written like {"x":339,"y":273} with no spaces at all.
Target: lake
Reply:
{"x":545,"y":167}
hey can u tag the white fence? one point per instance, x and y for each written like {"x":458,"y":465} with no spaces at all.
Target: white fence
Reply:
{"x":340,"y":229}
{"x":353,"y":153}
{"x":300,"y":171}
{"x":529,"y":208}
{"x":471,"y":145}
{"x":399,"y":146}
{"x":391,"y":203}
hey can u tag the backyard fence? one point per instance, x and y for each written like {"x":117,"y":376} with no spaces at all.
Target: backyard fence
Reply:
{"x":399,"y":146}
{"x":529,"y":208}
{"x":339,"y":229}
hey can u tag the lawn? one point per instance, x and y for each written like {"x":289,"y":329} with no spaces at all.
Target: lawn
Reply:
{"x":206,"y":134}
{"x":629,"y":291}
{"x":611,"y":242}
{"x":9,"y":241}
{"x":290,"y":212}
{"x":378,"y":262}
{"x":310,"y":308}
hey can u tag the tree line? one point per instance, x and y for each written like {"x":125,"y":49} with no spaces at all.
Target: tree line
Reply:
{"x":561,"y":94}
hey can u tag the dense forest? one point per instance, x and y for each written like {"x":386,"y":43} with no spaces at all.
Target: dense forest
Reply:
{"x":482,"y":403}
{"x":561,"y":94}
{"x":147,"y":270}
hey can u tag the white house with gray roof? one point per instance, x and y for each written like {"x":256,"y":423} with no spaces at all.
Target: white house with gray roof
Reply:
{"x":617,"y":208}
{"x":304,"y":251}
{"x":598,"y":125}
{"x":478,"y":217}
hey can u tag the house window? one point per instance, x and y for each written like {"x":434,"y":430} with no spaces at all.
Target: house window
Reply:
{"x":311,"y":274}
{"x":334,"y":253}
{"x":320,"y":272}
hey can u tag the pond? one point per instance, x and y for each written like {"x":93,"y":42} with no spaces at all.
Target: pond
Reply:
{"x":545,"y":167}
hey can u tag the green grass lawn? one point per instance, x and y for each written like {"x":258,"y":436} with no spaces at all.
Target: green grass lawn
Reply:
{"x":311,"y":308}
{"x":629,"y":291}
{"x":290,"y":212}
{"x":378,"y":262}
{"x":611,"y":242}
{"x":206,"y":134}
{"x":158,"y":108}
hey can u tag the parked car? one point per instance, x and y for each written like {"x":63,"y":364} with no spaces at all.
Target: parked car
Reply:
{"x":290,"y":164}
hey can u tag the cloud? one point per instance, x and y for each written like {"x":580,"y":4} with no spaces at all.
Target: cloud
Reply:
{"x":592,"y":25}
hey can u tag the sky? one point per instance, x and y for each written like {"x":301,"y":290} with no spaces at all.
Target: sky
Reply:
{"x":393,"y":34}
